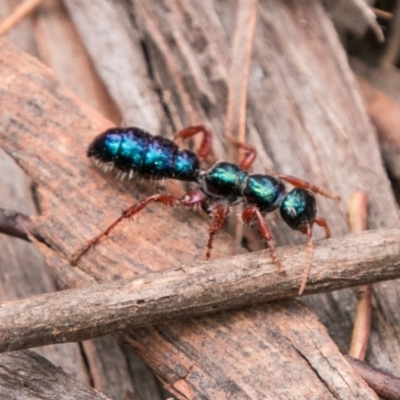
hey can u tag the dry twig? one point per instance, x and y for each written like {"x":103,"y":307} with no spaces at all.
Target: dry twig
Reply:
{"x":74,"y":315}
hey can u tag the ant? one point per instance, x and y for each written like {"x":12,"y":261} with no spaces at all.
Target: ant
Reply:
{"x":133,"y":151}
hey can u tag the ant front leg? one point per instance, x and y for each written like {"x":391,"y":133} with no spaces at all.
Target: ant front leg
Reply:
{"x":307,"y":185}
{"x":322,"y":222}
{"x":253,"y":214}
{"x":206,"y":143}
{"x":189,"y":199}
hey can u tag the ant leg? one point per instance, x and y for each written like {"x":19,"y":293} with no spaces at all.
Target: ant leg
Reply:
{"x":307,"y":265}
{"x":306,"y":185}
{"x":251,"y":214}
{"x":190,"y":199}
{"x":250,"y":155}
{"x":206,"y":143}
{"x":219,"y":213}
{"x":322,"y":222}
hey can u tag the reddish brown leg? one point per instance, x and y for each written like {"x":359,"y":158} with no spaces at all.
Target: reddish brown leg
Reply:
{"x":219,"y":213}
{"x":250,"y":155}
{"x":251,"y":214}
{"x":307,"y":264}
{"x":190,"y":199}
{"x":322,"y":222}
{"x":307,"y":185}
{"x":206,"y":143}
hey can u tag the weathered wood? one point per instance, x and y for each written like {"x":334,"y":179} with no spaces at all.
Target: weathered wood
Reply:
{"x":25,"y":375}
{"x":166,"y":348}
{"x":116,"y":55}
{"x":109,"y":369}
{"x":61,"y":49}
{"x":58,"y":135}
{"x":160,"y":297}
{"x":22,"y":268}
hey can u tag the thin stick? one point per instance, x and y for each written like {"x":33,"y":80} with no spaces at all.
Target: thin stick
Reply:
{"x":382,"y":14}
{"x":159,"y":297}
{"x":242,"y":46}
{"x":385,"y":385}
{"x":362,"y":321}
{"x":240,"y":66}
{"x":392,"y":51}
{"x":15,"y":224}
{"x":21,"y":11}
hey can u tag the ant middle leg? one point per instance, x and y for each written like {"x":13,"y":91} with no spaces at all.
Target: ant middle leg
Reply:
{"x":322,"y":222}
{"x":307,"y":185}
{"x":250,"y":153}
{"x":253,"y":214}
{"x":219,"y":212}
{"x":189,"y":199}
{"x":206,"y":143}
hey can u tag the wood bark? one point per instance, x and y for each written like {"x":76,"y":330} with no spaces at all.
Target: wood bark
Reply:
{"x":189,"y":290}
{"x":64,"y":200}
{"x":22,"y":268}
{"x":50,"y":35}
{"x":24,"y":375}
{"x":280,"y":81}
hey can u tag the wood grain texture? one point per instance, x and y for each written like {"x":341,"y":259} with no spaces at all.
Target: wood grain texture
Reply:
{"x":116,"y":50}
{"x":24,"y":375}
{"x":160,"y":297}
{"x":171,"y":364}
{"x":304,"y":112}
{"x":40,"y":117}
{"x":23,"y":271}
{"x":61,"y":49}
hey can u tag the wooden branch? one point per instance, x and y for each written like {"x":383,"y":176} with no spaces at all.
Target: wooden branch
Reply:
{"x":385,"y":385}
{"x":15,"y":224}
{"x":73,"y":315}
{"x":358,"y":211}
{"x":18,"y":14}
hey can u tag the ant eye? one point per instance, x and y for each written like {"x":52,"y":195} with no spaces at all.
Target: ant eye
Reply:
{"x":298,"y":208}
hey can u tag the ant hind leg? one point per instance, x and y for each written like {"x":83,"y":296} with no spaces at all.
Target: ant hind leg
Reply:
{"x":190,"y":199}
{"x":250,"y":153}
{"x":206,"y":143}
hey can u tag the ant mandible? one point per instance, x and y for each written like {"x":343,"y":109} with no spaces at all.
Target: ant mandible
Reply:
{"x":133,"y":151}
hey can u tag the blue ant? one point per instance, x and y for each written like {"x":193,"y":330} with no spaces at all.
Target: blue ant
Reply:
{"x":133,"y":151}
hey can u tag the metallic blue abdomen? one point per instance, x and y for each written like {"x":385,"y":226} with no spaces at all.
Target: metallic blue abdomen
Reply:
{"x":132,"y":149}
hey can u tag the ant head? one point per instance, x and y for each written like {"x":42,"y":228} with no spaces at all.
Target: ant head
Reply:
{"x":299,"y":209}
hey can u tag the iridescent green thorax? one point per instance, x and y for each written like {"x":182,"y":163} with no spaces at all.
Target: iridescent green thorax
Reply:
{"x":225,"y":180}
{"x":299,"y":208}
{"x":264,"y":191}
